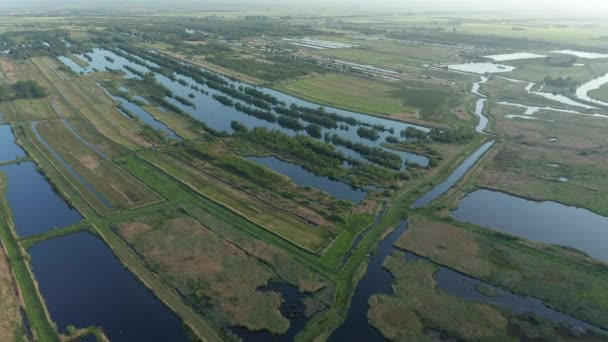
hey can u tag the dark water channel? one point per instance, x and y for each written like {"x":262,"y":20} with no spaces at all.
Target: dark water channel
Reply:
{"x":36,"y":207}
{"x":442,"y":188}
{"x":376,"y":280}
{"x":292,"y":308}
{"x":84,"y":284}
{"x":9,"y":150}
{"x":143,"y":115}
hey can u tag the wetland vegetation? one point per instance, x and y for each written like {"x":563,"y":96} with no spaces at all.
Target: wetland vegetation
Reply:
{"x":270,"y":175}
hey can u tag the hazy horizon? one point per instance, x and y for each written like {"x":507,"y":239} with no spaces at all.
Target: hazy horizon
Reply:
{"x":588,"y":8}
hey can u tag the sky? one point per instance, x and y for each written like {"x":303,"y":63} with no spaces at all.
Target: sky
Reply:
{"x":595,"y":8}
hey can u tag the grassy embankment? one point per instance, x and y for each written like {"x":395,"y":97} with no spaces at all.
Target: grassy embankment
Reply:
{"x":11,"y":325}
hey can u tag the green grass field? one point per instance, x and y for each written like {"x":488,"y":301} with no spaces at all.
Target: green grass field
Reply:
{"x":535,"y":70}
{"x":402,"y":100}
{"x":388,"y":53}
{"x":600,"y":94}
{"x":528,"y":164}
{"x":349,"y":92}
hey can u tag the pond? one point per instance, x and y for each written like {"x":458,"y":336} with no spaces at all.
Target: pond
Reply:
{"x":547,"y":222}
{"x":582,"y":54}
{"x":531,"y":110}
{"x":36,"y":207}
{"x":481,"y":68}
{"x":303,"y":177}
{"x":514,"y":56}
{"x":442,"y":188}
{"x":84,"y":284}
{"x":557,"y":97}
{"x":292,"y":307}
{"x":9,"y":150}
{"x":218,"y":116}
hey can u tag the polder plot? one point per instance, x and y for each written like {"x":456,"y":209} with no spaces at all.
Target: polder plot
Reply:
{"x":105,"y":186}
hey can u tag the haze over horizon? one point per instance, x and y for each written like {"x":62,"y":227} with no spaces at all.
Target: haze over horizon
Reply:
{"x":588,"y":8}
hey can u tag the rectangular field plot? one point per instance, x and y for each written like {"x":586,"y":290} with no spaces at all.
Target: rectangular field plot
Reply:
{"x":285,"y":224}
{"x":104,"y":185}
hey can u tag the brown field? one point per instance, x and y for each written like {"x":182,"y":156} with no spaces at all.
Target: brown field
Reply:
{"x":282,"y":222}
{"x":217,"y":267}
{"x":200,"y":263}
{"x":83,"y":98}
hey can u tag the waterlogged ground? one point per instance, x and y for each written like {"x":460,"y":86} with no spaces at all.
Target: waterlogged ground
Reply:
{"x":224,"y":272}
{"x":219,"y":116}
{"x":514,"y":266}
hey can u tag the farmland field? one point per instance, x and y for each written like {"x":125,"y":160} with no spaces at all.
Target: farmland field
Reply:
{"x":290,"y":172}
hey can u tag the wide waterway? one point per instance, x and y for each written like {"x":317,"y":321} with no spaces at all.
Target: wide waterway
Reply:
{"x":84,"y":284}
{"x":36,"y":207}
{"x":9,"y":150}
{"x":547,"y":222}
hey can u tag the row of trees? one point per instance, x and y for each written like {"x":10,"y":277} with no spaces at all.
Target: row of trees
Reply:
{"x":375,"y":155}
